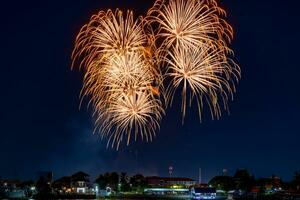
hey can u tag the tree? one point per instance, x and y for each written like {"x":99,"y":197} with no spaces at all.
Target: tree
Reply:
{"x":242,"y":179}
{"x":124,"y":181}
{"x":261,"y":183}
{"x":28,"y":187}
{"x":102,"y":181}
{"x":62,"y":183}
{"x":43,"y":187}
{"x":225,"y":183}
{"x":138,"y":182}
{"x":108,"y":180}
{"x":296,"y":181}
{"x":26,"y":184}
{"x":113,"y":180}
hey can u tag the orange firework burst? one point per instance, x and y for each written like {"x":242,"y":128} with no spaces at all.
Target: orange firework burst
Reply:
{"x":189,"y":23}
{"x":182,"y":44}
{"x":119,"y":76}
{"x":204,"y":74}
{"x":193,"y":39}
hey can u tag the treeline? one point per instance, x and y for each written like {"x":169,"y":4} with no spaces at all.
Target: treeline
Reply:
{"x":121,"y":182}
{"x":243,"y":180}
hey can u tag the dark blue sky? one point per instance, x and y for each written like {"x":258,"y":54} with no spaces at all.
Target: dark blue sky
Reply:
{"x":41,"y":127}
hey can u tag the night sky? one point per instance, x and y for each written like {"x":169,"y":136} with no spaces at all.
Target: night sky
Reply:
{"x":42,"y":127}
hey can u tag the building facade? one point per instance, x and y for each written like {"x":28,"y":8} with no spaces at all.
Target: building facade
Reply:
{"x":155,"y":181}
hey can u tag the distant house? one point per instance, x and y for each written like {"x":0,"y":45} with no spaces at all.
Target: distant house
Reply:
{"x":11,"y":189}
{"x":10,"y":184}
{"x":77,"y":183}
{"x":80,"y":182}
{"x":155,"y":181}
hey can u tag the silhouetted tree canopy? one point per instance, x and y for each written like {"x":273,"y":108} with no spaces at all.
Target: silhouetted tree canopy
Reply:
{"x":108,"y":180}
{"x":296,"y":181}
{"x":242,"y":179}
{"x":222,"y":183}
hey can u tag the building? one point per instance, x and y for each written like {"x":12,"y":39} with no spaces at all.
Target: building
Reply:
{"x":77,"y":183}
{"x":167,"y":191}
{"x":11,"y":189}
{"x":80,"y":182}
{"x":155,"y":181}
{"x":203,"y":193}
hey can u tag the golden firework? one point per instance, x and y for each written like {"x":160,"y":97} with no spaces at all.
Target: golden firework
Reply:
{"x":119,"y":76}
{"x":189,"y":23}
{"x":203,"y":74}
{"x":192,"y":38}
{"x":182,"y":44}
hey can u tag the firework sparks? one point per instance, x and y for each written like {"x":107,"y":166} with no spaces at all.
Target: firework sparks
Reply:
{"x":204,"y":74}
{"x":193,"y":40}
{"x":119,"y":77}
{"x":137,"y":113}
{"x":127,"y":62}
{"x":189,"y":23}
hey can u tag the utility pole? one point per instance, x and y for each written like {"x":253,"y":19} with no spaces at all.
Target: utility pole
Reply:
{"x":170,"y":171}
{"x":200,"y":176}
{"x":224,"y":172}
{"x":137,"y":162}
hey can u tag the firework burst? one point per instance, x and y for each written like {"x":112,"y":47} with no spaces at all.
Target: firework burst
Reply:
{"x":192,"y":38}
{"x":203,"y":74}
{"x":119,"y":77}
{"x":189,"y":23}
{"x":182,"y":44}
